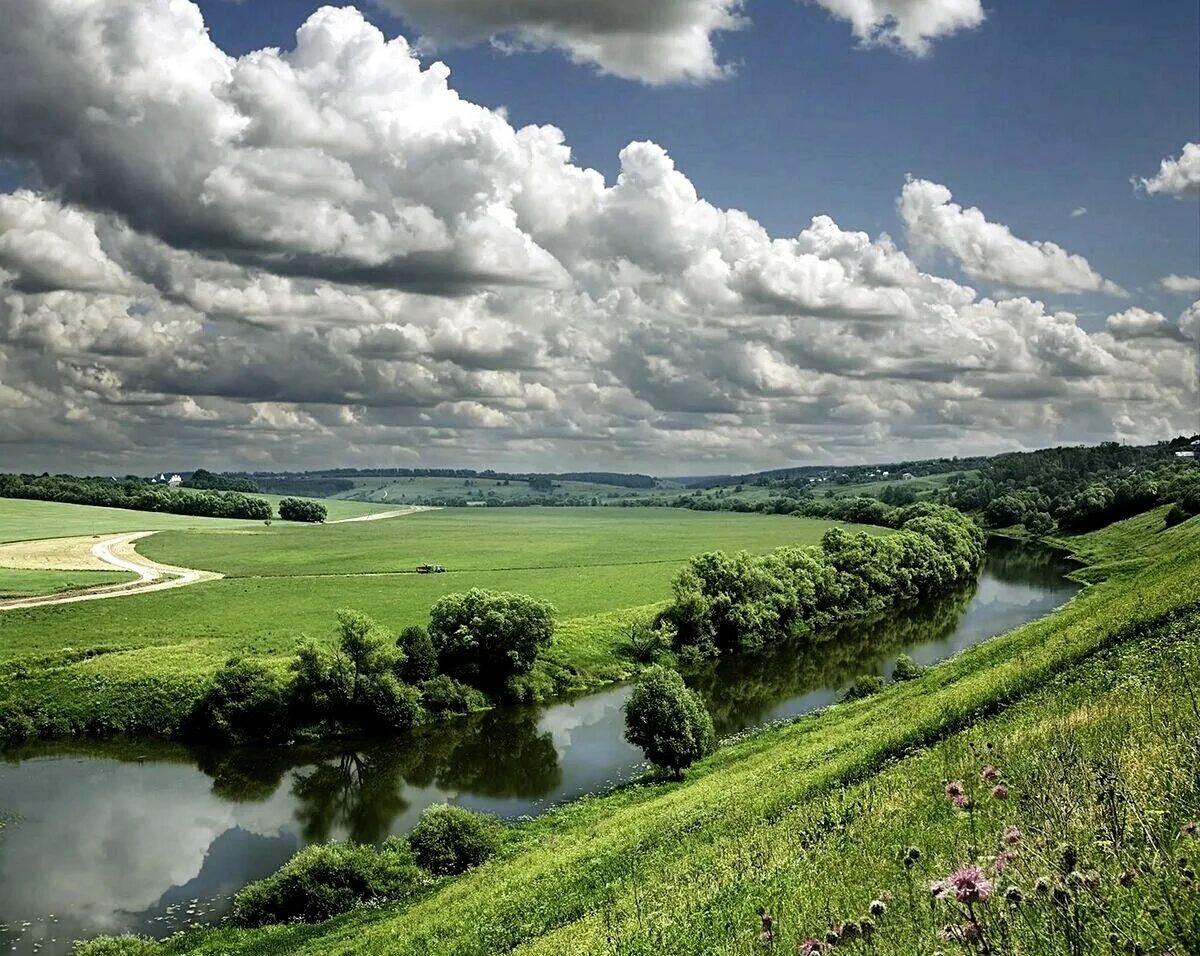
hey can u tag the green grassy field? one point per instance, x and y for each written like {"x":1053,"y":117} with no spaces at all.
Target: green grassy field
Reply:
{"x":395,"y":491}
{"x":17,"y":583}
{"x":1089,"y":713}
{"x":30,"y":520}
{"x":136,"y":662}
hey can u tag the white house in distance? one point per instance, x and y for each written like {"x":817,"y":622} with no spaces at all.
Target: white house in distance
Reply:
{"x":174,"y":481}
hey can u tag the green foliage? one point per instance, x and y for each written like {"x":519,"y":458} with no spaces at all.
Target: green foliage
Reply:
{"x":247,"y":701}
{"x":443,"y":694}
{"x":648,"y":640}
{"x":668,"y":721}
{"x":865,"y":685}
{"x":204,"y":479}
{"x":420,"y":661}
{"x":906,"y":668}
{"x":486,"y":638}
{"x":1176,"y":515}
{"x":118,"y":946}
{"x":301,"y":509}
{"x":324,"y":880}
{"x":743,"y":602}
{"x":448,"y":840}
{"x":134,"y":494}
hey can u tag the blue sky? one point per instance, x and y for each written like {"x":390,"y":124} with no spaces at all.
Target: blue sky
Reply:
{"x":242,"y":234}
{"x":1044,"y":109}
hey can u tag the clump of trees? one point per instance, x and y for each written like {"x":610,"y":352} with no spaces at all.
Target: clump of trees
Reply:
{"x":448,"y":840}
{"x":479,"y":643}
{"x":733,"y":603}
{"x":135,"y":494}
{"x":488,"y":638}
{"x":668,"y":721}
{"x":300,"y":509}
{"x":206,"y":480}
{"x":324,"y":880}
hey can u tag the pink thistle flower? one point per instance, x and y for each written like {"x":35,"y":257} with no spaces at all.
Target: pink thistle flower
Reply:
{"x":990,"y":775}
{"x":810,"y":947}
{"x":962,"y":801}
{"x":1000,"y":792}
{"x":1003,"y":859}
{"x":954,"y":789}
{"x":968,"y":885}
{"x":1011,"y":835}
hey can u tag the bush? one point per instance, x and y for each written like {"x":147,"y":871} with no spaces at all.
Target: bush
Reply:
{"x":443,"y":694}
{"x":486,"y":638}
{"x":647,"y":642}
{"x":389,"y":704}
{"x":864,"y":686}
{"x":118,"y":946}
{"x":449,"y":840}
{"x":907,"y":669}
{"x":324,"y":880}
{"x":299,"y":509}
{"x":246,"y":701}
{"x":420,"y":656}
{"x":668,"y":721}
{"x":1175,"y":516}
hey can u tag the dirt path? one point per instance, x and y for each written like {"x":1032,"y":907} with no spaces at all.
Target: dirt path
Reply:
{"x":116,"y":551}
{"x":379,"y":515}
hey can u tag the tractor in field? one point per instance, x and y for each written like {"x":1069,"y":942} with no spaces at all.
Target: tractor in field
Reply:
{"x":430,"y":569}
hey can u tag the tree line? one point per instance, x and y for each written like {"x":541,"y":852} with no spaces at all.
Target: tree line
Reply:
{"x":734,"y":603}
{"x":137,"y":494}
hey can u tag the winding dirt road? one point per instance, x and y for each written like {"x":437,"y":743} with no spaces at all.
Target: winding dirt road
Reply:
{"x":116,"y":551}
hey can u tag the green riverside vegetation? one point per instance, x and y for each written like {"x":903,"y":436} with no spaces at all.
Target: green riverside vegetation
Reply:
{"x":1042,"y":785}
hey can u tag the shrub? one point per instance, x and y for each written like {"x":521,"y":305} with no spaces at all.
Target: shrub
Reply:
{"x":864,"y":686}
{"x":486,"y":638}
{"x":449,"y":840}
{"x":300,"y":509}
{"x":1175,"y":516}
{"x":246,"y":701}
{"x":907,"y":669}
{"x":443,"y":694}
{"x":324,"y":880}
{"x":117,"y":946}
{"x":389,"y":704}
{"x":420,"y":656}
{"x":668,"y":721}
{"x":646,"y":641}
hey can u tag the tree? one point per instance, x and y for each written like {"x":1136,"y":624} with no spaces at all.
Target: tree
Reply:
{"x":299,"y":509}
{"x":449,"y":840}
{"x":486,"y":638}
{"x":420,"y":656}
{"x":247,"y":701}
{"x":668,"y":721}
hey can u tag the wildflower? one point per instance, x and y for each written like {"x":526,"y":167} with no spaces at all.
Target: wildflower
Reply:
{"x":1003,"y":859}
{"x":954,"y":789}
{"x":1191,"y":829}
{"x":766,"y":938}
{"x":990,"y":775}
{"x":810,"y":947}
{"x":866,"y":927}
{"x":1013,"y":895}
{"x":833,"y":935}
{"x":1011,"y":835}
{"x":1000,"y":792}
{"x":1042,"y":885}
{"x":912,"y":856}
{"x":1070,"y":857}
{"x":768,"y":921}
{"x":967,"y":884}
{"x":962,"y":801}
{"x":877,"y":907}
{"x":940,"y":888}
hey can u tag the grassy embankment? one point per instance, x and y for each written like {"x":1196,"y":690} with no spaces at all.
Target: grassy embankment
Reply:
{"x":139,"y":662}
{"x":1091,"y":714}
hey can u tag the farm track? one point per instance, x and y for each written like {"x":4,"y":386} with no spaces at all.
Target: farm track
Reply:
{"x":117,"y":551}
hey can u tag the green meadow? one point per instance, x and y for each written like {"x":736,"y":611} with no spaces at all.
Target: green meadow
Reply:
{"x":135,"y":662}
{"x":1087,"y":716}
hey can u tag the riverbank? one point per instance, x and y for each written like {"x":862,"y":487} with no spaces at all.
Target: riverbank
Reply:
{"x":821,"y":808}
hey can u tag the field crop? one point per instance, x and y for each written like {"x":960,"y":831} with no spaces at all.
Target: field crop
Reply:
{"x":1087,"y":716}
{"x":135,"y":663}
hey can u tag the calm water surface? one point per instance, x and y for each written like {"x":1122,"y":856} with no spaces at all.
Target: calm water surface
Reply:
{"x":132,"y":836}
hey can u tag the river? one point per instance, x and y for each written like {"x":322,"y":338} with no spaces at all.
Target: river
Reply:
{"x":151,"y":837}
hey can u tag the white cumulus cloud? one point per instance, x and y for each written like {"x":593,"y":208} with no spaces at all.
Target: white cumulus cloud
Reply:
{"x":1183,"y":285}
{"x":988,"y":250}
{"x":908,"y":25}
{"x":1176,"y":176}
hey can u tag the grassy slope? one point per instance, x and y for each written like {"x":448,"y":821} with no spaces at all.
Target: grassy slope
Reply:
{"x":810,"y":818}
{"x":22,"y":520}
{"x":15,"y":582}
{"x":159,"y":647}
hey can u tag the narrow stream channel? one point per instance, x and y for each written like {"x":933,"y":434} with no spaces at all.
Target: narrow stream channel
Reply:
{"x":147,"y":837}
